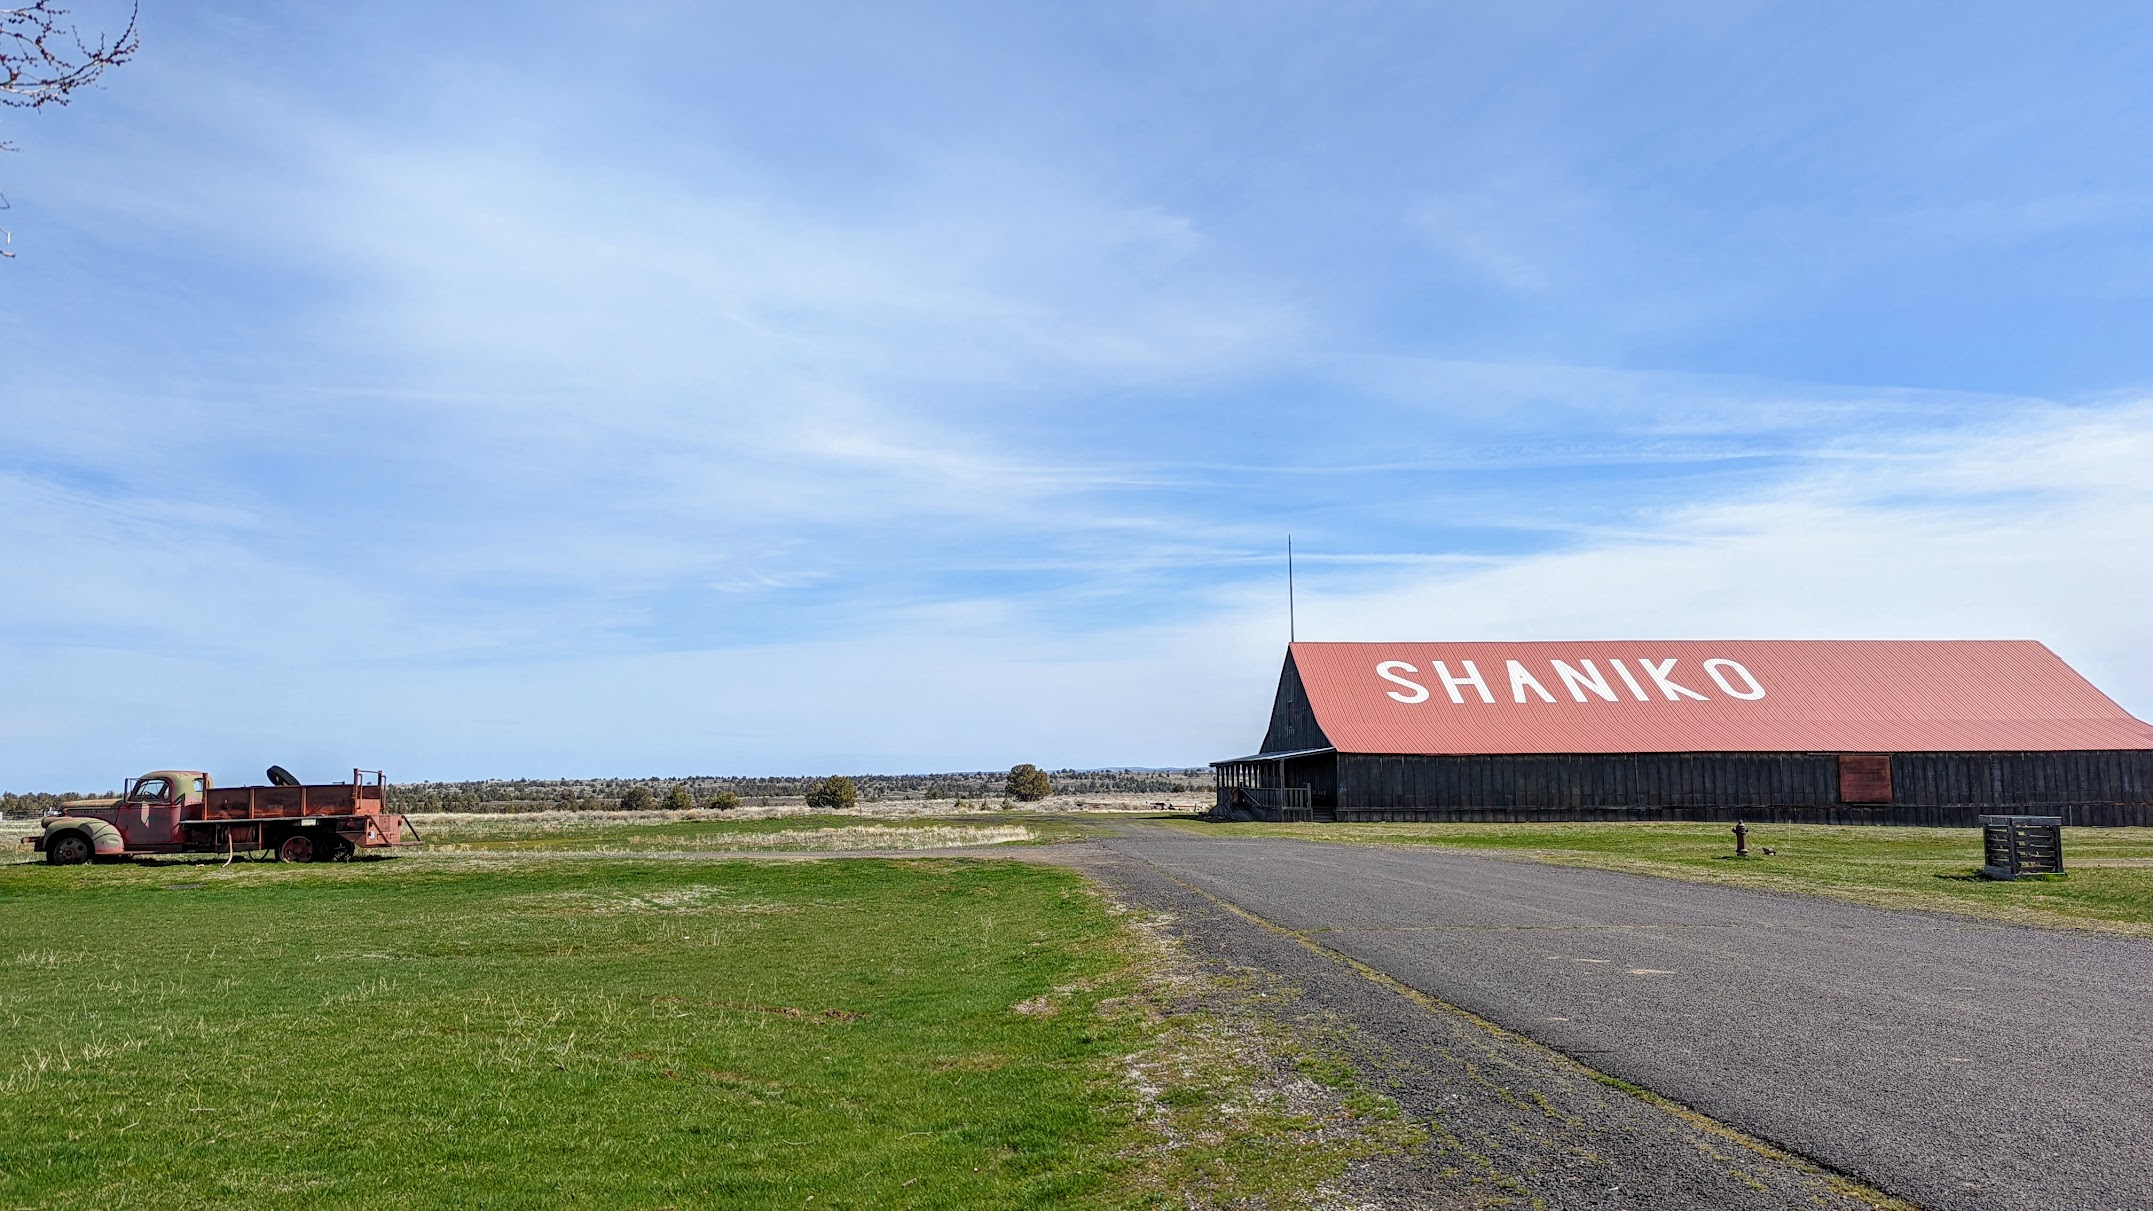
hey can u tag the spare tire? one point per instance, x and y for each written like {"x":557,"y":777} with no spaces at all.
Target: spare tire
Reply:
{"x":279,"y":776}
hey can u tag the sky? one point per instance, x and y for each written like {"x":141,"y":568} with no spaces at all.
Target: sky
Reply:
{"x":557,"y":390}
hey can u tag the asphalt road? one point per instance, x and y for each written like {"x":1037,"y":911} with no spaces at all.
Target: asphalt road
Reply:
{"x":1947,"y":1061}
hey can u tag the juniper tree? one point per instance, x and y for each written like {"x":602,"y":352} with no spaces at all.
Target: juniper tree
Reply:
{"x":1028,"y":783}
{"x":834,"y":793}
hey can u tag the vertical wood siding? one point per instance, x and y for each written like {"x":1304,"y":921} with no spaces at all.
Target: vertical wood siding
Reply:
{"x":1319,"y":775}
{"x":2086,"y":788}
{"x":1293,"y":721}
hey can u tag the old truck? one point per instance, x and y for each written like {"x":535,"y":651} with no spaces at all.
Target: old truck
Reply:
{"x":185,"y":812}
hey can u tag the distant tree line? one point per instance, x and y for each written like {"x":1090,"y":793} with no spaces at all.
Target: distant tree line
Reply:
{"x":611,"y":794}
{"x":37,"y":803}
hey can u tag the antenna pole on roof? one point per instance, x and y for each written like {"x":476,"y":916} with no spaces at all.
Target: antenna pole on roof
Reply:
{"x":1291,"y":632}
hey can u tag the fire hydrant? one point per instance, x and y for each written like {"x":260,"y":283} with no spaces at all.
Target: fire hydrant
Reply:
{"x":1741,"y":839}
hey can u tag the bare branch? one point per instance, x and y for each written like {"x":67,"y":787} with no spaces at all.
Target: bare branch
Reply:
{"x":38,"y":67}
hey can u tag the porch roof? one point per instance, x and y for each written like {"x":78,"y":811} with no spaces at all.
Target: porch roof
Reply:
{"x":1280,"y":756}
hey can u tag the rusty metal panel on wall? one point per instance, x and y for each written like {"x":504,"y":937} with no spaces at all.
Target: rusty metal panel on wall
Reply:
{"x":1864,"y":778}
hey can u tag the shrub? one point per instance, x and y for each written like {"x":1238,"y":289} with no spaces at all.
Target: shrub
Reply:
{"x":834,"y":793}
{"x":1028,"y":783}
{"x":678,"y":799}
{"x":638,"y":799}
{"x":724,"y":801}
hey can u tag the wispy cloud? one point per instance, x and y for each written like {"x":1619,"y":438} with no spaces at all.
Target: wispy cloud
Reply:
{"x":2026,"y":528}
{"x":935,"y":386}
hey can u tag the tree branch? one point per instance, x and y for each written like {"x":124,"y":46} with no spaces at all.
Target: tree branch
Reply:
{"x":38,"y":68}
{"x":43,"y":60}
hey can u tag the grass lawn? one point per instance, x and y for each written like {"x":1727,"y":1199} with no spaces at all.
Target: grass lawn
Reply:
{"x":494,"y":1031}
{"x":2107,"y":884}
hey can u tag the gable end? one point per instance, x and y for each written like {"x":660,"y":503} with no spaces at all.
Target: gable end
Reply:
{"x":1293,"y":720}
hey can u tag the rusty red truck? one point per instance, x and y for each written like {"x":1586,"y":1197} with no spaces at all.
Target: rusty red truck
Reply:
{"x":185,"y":812}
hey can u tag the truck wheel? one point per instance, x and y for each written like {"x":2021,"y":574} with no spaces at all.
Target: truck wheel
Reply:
{"x":68,"y":849}
{"x":331,"y":848}
{"x":298,"y":847}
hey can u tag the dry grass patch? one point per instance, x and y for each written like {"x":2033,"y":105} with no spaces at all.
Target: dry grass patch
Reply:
{"x":1234,"y":1107}
{"x":575,"y":833}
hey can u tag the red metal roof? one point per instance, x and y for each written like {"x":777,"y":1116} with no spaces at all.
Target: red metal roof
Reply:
{"x":1715,"y":696}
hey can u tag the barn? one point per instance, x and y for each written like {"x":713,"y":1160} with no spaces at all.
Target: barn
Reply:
{"x":1932,"y":732}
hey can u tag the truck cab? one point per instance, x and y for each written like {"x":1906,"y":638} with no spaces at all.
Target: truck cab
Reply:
{"x":145,"y":818}
{"x":154,"y":803}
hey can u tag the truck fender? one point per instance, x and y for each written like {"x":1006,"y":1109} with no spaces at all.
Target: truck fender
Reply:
{"x":105,"y":840}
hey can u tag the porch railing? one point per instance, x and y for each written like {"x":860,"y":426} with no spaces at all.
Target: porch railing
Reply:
{"x":1281,"y":803}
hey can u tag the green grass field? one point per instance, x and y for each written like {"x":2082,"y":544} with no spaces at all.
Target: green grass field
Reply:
{"x":495,"y":1031}
{"x":2107,"y":884}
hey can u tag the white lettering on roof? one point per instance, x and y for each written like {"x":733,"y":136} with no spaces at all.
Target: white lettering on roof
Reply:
{"x":1713,"y":669}
{"x":1623,"y":671}
{"x":1420,"y":692}
{"x":1659,"y":674}
{"x":1577,"y":683}
{"x":1471,"y":678}
{"x":1584,"y":681}
{"x":1520,"y":678}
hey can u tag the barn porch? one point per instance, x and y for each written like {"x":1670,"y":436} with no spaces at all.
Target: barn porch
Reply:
{"x":1298,"y":785}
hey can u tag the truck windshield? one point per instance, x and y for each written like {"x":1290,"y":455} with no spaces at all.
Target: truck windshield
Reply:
{"x":157,"y":789}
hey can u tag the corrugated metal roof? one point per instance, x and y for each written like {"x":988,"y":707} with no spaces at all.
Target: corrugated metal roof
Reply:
{"x":1708,"y":696}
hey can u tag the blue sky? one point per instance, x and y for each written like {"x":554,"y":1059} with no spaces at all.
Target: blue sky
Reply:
{"x":701,"y":388}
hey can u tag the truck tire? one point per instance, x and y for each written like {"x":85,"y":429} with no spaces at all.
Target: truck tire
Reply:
{"x":296,"y":847}
{"x":68,"y":848}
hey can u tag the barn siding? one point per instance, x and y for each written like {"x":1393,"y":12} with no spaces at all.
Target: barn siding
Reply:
{"x":1944,"y":779}
{"x":1319,"y":775}
{"x":1930,"y":788}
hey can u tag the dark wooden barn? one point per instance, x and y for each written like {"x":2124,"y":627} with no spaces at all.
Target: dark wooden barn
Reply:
{"x":1840,"y":732}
